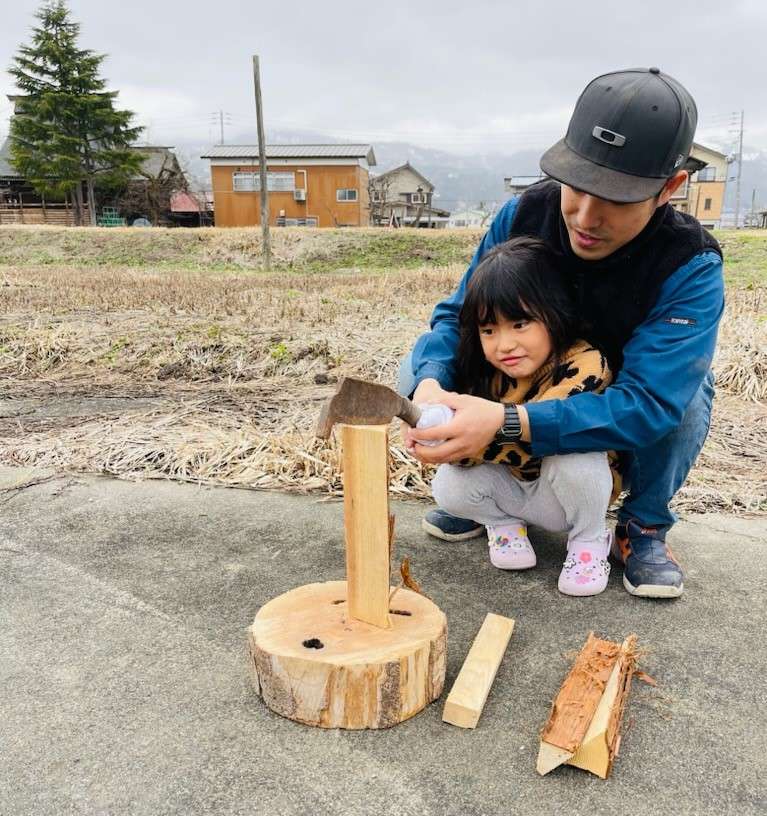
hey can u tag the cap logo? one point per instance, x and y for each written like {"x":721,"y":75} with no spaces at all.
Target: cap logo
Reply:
{"x":608,"y":136}
{"x":679,"y":160}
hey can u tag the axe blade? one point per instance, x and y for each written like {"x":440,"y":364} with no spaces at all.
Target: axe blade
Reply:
{"x":357,"y":402}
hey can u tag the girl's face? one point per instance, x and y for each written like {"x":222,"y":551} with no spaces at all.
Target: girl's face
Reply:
{"x":516,"y":347}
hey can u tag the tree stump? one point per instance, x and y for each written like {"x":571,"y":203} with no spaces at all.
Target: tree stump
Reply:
{"x":313,"y":663}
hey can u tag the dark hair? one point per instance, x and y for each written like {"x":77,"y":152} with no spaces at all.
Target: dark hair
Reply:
{"x":520,"y":279}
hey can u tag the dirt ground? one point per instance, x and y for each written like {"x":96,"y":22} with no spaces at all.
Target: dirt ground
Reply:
{"x":168,"y":370}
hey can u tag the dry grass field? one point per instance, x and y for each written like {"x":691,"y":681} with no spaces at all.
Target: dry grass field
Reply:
{"x":169,"y":354}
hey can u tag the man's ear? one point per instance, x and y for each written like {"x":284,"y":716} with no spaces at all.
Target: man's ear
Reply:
{"x":671,"y":186}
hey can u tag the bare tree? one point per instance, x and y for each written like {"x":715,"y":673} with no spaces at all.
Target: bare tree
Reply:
{"x":378,"y":196}
{"x":150,"y":193}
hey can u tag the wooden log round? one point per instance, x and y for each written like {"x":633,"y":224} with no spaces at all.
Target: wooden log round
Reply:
{"x":314,"y":664}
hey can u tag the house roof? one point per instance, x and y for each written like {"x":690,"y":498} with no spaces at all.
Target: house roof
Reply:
{"x":6,"y":171}
{"x":405,"y":166}
{"x":156,"y":157}
{"x":705,"y":149}
{"x":183,"y":202}
{"x":294,"y":151}
{"x":152,"y":164}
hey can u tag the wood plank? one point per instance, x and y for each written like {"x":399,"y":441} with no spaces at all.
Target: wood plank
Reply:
{"x":366,"y":521}
{"x":469,"y":693}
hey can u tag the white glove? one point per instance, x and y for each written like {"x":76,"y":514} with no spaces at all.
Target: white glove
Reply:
{"x":431,"y":415}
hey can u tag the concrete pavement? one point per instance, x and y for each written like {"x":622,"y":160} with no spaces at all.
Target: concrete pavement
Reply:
{"x":123,"y":610}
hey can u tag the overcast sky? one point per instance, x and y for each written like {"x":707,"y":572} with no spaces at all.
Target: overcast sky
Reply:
{"x":475,"y":75}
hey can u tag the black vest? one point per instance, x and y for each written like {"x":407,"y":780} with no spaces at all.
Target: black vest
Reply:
{"x":614,"y":295}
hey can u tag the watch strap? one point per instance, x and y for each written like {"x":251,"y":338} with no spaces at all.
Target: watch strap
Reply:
{"x":511,"y":430}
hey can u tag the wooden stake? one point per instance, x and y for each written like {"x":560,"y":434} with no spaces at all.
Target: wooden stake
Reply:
{"x":469,"y":693}
{"x":366,"y":521}
{"x":262,"y":168}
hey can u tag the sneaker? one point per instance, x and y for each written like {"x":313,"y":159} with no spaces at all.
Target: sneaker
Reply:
{"x":440,"y":524}
{"x":650,"y":567}
{"x":586,"y":567}
{"x":510,"y":548}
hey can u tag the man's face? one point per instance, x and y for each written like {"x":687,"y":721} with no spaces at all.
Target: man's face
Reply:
{"x":597,"y":227}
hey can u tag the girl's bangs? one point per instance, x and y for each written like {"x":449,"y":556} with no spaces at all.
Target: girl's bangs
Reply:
{"x":495,"y":298}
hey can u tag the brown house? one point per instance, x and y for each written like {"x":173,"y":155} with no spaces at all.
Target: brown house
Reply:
{"x":309,"y":185}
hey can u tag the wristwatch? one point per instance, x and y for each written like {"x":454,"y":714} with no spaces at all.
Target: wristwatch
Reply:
{"x":511,"y":430}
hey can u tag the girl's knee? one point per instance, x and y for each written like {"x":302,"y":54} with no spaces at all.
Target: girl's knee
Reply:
{"x":458,"y":490}
{"x":446,"y":487}
{"x":579,"y":471}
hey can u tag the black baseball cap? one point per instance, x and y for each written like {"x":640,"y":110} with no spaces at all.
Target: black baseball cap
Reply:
{"x":630,"y":132}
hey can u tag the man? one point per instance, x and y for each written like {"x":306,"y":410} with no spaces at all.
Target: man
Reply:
{"x":648,"y":282}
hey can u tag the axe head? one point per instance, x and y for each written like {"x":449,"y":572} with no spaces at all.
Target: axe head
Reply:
{"x":357,"y":402}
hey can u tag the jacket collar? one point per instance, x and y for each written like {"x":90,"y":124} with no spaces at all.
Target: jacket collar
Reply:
{"x":622,"y":254}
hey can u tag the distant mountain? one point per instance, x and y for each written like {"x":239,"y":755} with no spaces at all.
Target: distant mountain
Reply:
{"x":460,"y":180}
{"x":753,"y":178}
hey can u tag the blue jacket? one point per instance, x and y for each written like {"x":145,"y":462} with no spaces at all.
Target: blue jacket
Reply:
{"x":664,"y":362}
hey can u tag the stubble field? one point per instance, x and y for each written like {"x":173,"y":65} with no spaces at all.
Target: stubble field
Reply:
{"x":169,"y":354}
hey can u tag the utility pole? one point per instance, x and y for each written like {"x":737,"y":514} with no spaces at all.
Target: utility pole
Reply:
{"x":740,"y":167}
{"x":222,"y":118}
{"x":262,"y":167}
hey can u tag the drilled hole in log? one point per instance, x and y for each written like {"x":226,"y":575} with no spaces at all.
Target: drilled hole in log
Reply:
{"x":400,"y":612}
{"x":343,"y":600}
{"x":313,"y":643}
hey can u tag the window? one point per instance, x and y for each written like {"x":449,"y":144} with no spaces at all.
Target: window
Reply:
{"x":297,"y":222}
{"x":377,"y":195}
{"x":349,"y":194}
{"x":707,"y":174}
{"x":707,"y":204}
{"x":275,"y":182}
{"x":417,"y":198}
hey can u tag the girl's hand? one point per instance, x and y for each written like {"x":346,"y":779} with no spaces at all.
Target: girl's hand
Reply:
{"x":470,"y":431}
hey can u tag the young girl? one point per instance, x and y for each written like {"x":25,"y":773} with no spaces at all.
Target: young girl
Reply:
{"x":519,"y":343}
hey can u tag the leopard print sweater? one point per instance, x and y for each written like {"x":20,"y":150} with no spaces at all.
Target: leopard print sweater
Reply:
{"x":582,"y":368}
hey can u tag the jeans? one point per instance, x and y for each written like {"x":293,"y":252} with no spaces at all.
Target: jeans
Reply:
{"x":654,"y":474}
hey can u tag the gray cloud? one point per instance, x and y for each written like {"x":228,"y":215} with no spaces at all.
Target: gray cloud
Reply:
{"x":481,"y":76}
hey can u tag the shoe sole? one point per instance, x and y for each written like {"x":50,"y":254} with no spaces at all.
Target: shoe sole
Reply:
{"x":515,"y":568}
{"x":652,"y":590}
{"x":435,"y":531}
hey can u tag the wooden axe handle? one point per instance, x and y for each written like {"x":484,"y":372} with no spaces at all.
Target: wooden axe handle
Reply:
{"x":409,"y":411}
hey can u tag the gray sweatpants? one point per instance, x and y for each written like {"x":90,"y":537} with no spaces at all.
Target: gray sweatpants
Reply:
{"x":572,"y":494}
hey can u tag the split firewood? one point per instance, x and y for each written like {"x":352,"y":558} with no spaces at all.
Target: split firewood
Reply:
{"x":583,"y":728}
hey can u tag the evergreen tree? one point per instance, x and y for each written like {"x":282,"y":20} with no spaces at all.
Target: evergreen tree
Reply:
{"x":66,"y":132}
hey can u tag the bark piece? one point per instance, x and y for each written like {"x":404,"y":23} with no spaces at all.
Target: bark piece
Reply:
{"x":583,"y":728}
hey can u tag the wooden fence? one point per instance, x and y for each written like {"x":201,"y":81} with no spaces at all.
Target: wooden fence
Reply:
{"x":60,"y":215}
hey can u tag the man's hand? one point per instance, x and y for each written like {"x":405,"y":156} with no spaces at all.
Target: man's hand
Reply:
{"x":470,"y":431}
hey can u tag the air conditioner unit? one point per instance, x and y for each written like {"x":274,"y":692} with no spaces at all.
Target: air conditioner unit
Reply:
{"x":299,"y":195}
